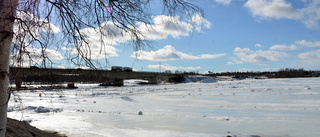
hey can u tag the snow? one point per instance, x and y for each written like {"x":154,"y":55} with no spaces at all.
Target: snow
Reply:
{"x":198,"y":78}
{"x":203,"y":107}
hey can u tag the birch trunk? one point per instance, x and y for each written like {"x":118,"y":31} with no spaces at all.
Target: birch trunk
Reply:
{"x":7,"y":13}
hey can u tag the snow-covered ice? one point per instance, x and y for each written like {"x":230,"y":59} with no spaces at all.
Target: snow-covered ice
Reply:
{"x":265,"y":107}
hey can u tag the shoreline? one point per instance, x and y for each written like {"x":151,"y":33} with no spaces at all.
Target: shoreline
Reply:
{"x":16,"y":128}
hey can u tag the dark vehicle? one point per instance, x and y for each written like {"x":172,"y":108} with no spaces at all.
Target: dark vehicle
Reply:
{"x":116,"y":68}
{"x":34,"y":67}
{"x":127,"y":69}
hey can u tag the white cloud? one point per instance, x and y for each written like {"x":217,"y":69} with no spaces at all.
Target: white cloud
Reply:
{"x":248,"y":56}
{"x":308,"y":43}
{"x":31,"y":28}
{"x":310,"y":60}
{"x":200,"y":22}
{"x":61,"y":67}
{"x":311,"y":55}
{"x":234,"y":61}
{"x":269,"y":9}
{"x":97,"y":50}
{"x":32,"y":56}
{"x":311,"y":13}
{"x":245,"y":50}
{"x":224,"y":2}
{"x":51,"y":54}
{"x":282,"y":9}
{"x":190,"y":68}
{"x":284,"y":47}
{"x":167,"y":53}
{"x":163,"y":67}
{"x":163,"y":26}
{"x":170,"y":53}
{"x":168,"y":67}
{"x":256,"y":70}
{"x":24,"y":33}
{"x":258,"y":45}
{"x":209,"y":56}
{"x":100,"y":43}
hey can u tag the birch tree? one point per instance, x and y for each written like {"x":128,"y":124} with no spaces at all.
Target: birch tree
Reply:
{"x":29,"y":23}
{"x":7,"y":17}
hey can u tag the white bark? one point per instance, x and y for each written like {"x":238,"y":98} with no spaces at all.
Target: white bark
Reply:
{"x":7,"y":13}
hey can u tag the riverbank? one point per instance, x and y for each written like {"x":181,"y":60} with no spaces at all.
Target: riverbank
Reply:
{"x":17,"y":128}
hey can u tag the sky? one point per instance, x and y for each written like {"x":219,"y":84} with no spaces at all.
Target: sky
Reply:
{"x":234,"y":35}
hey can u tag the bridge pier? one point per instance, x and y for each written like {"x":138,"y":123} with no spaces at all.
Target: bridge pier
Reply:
{"x":118,"y":82}
{"x":152,"y":80}
{"x":114,"y":82}
{"x":18,"y":82}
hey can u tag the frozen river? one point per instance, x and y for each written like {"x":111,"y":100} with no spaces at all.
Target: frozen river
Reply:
{"x":266,"y":107}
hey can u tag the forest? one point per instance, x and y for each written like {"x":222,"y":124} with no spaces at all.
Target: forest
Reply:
{"x":281,"y":73}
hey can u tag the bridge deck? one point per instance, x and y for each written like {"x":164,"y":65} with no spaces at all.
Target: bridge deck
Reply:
{"x":79,"y":75}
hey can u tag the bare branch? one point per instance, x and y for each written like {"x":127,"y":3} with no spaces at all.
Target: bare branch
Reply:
{"x":72,"y":16}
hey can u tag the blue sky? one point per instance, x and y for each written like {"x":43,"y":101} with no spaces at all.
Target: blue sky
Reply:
{"x":236,"y":35}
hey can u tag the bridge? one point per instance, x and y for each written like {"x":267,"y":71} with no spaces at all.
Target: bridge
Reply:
{"x":106,"y":77}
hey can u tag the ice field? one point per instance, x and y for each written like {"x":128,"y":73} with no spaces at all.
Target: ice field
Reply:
{"x":242,"y":108}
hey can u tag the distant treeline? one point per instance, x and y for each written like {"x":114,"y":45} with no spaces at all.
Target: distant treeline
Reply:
{"x":282,"y":73}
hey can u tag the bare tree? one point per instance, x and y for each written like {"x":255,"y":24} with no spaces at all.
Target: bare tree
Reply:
{"x":28,"y":24}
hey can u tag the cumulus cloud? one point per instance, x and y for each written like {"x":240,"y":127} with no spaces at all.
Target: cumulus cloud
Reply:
{"x":282,"y":9}
{"x":310,"y":60}
{"x":163,"y":26}
{"x":168,"y":67}
{"x":245,"y":55}
{"x":310,"y":55}
{"x":199,"y":22}
{"x":224,"y":2}
{"x":258,"y":45}
{"x":244,"y":50}
{"x":311,"y":13}
{"x":26,"y":29}
{"x":99,"y":42}
{"x":234,"y":61}
{"x":256,"y":70}
{"x":163,"y":67}
{"x":308,"y":43}
{"x":33,"y":56}
{"x":102,"y":39}
{"x":96,"y":51}
{"x":32,"y":27}
{"x":170,"y":53}
{"x":61,"y":67}
{"x":269,"y":9}
{"x":190,"y":68}
{"x":284,"y":47}
{"x":99,"y":47}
